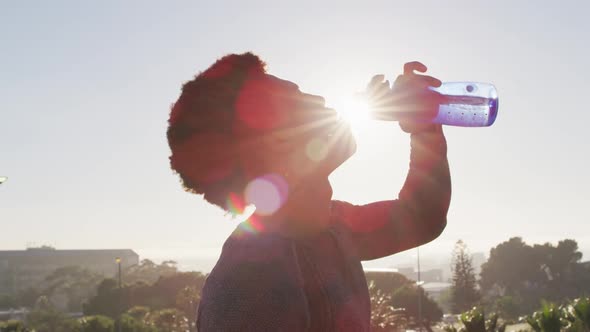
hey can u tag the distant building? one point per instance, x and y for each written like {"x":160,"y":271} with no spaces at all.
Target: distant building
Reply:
{"x":23,"y":269}
{"x":432,"y":275}
{"x":477,"y":260}
{"x":436,"y":289}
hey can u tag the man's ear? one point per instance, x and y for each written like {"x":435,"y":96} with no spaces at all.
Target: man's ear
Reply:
{"x":205,"y":158}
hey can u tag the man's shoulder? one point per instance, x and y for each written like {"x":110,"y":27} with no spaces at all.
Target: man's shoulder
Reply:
{"x":248,"y":255}
{"x":254,"y":280}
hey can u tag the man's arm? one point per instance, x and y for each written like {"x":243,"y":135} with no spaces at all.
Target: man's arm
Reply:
{"x":418,"y":215}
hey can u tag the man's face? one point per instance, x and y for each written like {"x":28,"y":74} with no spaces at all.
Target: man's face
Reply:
{"x":300,"y":135}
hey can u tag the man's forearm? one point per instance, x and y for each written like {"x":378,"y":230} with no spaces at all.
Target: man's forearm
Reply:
{"x":426,"y":193}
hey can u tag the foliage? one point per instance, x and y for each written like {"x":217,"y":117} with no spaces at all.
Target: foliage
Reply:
{"x":387,"y":281}
{"x":187,"y":300}
{"x":384,"y":317}
{"x":46,"y":318}
{"x":549,"y":319}
{"x":577,"y":313}
{"x":132,"y":324}
{"x":171,"y":320}
{"x":27,"y":297}
{"x":444,"y":300}
{"x":149,"y":272}
{"x":75,"y":283}
{"x":474,"y":321}
{"x":107,"y":300}
{"x":8,"y":301}
{"x":97,"y":323}
{"x":464,"y":294}
{"x":12,"y":326}
{"x":404,"y":295}
{"x":528,"y":274}
{"x":508,"y":306}
{"x":180,"y":291}
{"x":140,"y":313}
{"x":581,"y":310}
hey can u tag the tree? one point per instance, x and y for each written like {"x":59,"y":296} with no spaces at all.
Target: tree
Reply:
{"x":406,"y":298}
{"x":27,"y":297}
{"x":560,"y":264}
{"x":74,"y":283}
{"x":148,"y":271}
{"x":106,"y":301}
{"x":131,"y":324}
{"x":187,"y":300}
{"x":110,"y":300}
{"x":384,"y":317}
{"x":514,"y":269}
{"x":7,"y":302}
{"x":97,"y":323}
{"x":529,"y":274}
{"x":464,"y":294}
{"x":404,"y":295}
{"x":172,"y":320}
{"x":139,"y":313}
{"x":46,"y":318}
{"x":511,"y":263}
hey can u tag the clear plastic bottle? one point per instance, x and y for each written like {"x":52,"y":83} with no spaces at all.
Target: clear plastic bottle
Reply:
{"x":468,"y":104}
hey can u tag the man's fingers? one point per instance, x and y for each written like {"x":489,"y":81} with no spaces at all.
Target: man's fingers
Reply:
{"x":417,"y":80}
{"x":376,"y":80}
{"x":430,"y":81}
{"x":409,"y":67}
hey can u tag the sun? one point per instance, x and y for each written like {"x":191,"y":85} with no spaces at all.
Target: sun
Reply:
{"x":353,"y":109}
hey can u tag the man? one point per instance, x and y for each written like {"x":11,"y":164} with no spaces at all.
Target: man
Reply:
{"x":240,"y":136}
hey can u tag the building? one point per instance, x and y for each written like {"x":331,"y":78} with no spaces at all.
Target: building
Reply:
{"x":23,"y":269}
{"x":436,"y":289}
{"x":431,"y":275}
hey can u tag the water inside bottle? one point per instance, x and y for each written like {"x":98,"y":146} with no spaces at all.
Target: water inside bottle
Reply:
{"x":467,"y":111}
{"x":467,"y":104}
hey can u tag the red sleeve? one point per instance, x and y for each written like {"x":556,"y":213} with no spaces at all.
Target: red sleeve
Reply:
{"x":419,"y":214}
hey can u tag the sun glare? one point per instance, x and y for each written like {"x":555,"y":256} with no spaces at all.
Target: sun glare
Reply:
{"x":354,"y":110}
{"x":248,"y":212}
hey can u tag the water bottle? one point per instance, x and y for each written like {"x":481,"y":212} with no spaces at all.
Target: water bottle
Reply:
{"x":467,"y":104}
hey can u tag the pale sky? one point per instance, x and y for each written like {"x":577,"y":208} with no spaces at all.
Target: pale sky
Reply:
{"x":86,"y":88}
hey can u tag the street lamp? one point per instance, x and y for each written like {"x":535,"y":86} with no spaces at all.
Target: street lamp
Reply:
{"x":419,"y":284}
{"x":2,"y":179}
{"x":118,"y":260}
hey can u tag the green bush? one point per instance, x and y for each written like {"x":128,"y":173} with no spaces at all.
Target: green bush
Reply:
{"x":474,"y":320}
{"x":97,"y":323}
{"x":12,"y":326}
{"x":131,"y":324}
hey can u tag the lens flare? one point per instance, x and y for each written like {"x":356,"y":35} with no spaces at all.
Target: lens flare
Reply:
{"x":251,"y":225}
{"x":354,"y":109}
{"x":267,"y":193}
